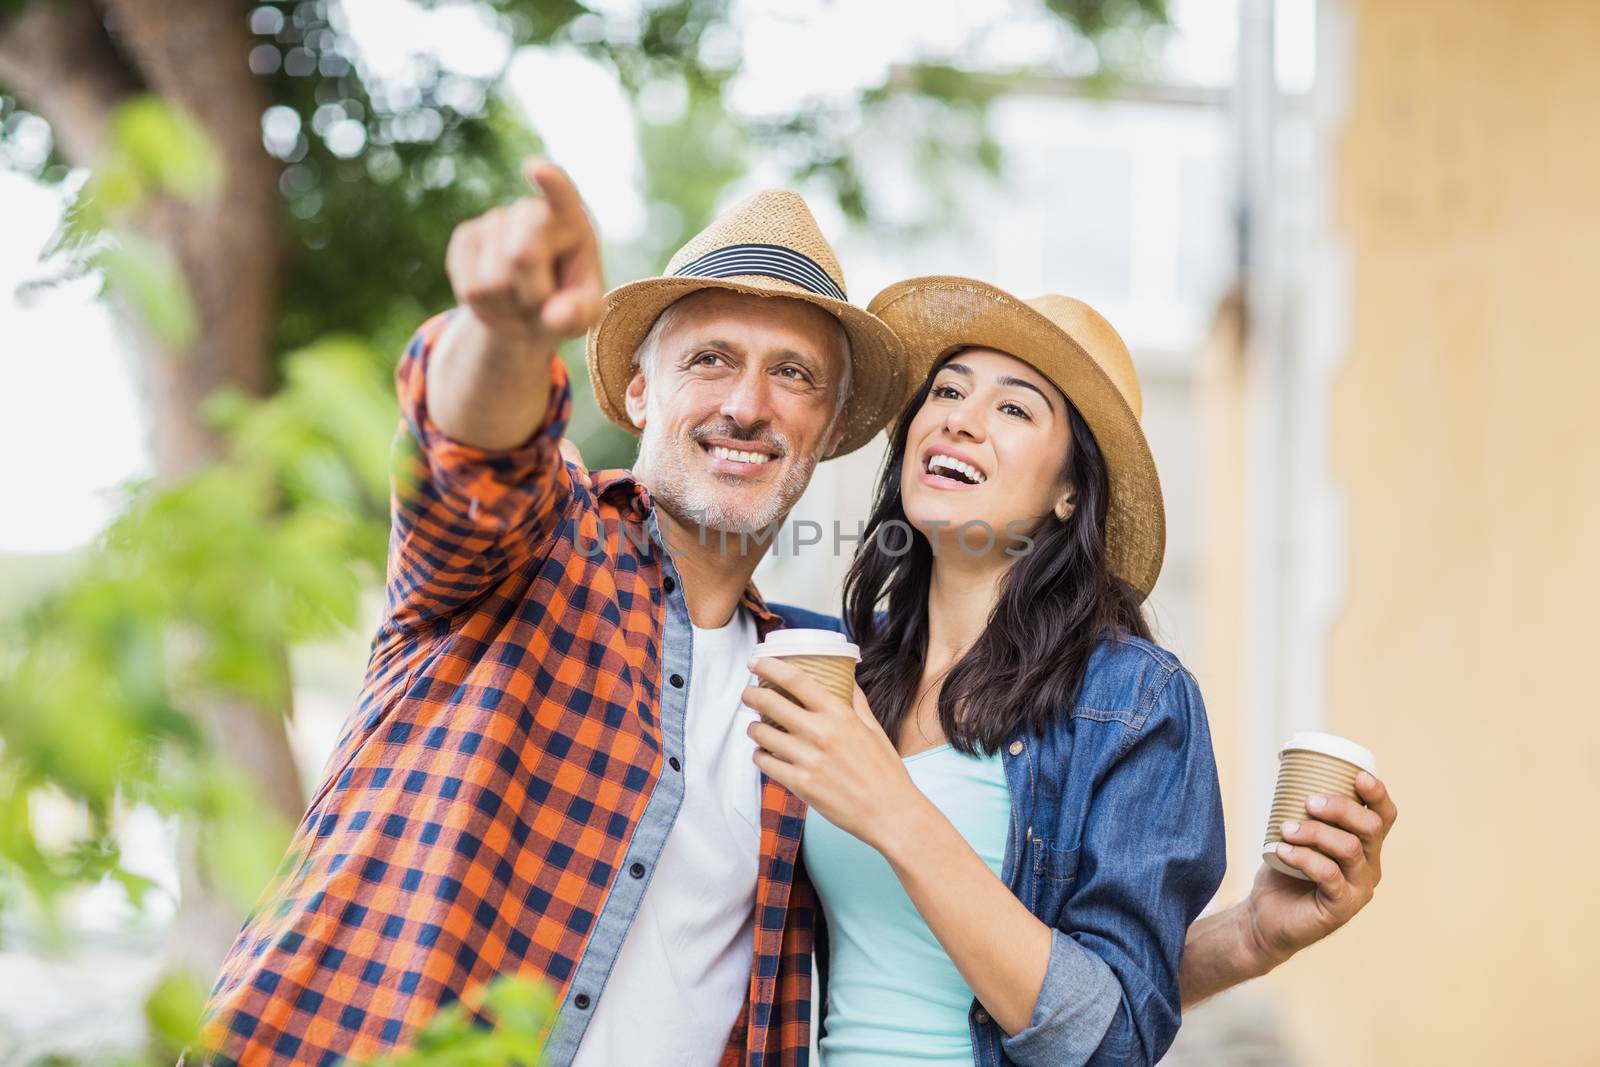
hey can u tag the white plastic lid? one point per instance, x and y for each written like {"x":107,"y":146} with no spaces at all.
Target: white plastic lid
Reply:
{"x":799,"y":642}
{"x":1335,"y":746}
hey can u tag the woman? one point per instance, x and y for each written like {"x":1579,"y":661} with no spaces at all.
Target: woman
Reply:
{"x":1014,"y":825}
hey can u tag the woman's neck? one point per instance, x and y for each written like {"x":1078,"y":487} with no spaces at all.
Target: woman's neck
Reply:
{"x":961,"y":595}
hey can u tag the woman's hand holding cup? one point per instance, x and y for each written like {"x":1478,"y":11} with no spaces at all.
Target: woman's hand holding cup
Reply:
{"x":829,"y":751}
{"x":1336,"y":851}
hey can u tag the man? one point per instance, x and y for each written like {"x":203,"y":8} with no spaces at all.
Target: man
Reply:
{"x":548,"y":773}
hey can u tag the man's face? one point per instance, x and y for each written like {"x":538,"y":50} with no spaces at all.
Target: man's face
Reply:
{"x":737,"y":405}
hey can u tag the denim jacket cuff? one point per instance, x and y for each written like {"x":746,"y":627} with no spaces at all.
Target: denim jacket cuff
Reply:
{"x":1076,"y":1004}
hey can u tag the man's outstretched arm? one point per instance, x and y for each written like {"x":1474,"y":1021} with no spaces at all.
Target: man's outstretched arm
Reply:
{"x":478,"y":480}
{"x":1340,"y":847}
{"x":526,"y":277}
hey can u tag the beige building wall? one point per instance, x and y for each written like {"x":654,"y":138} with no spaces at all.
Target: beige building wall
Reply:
{"x":1220,"y":393}
{"x":1465,"y":437}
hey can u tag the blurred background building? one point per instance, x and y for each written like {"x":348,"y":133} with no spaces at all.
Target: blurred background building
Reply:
{"x":1343,"y":240}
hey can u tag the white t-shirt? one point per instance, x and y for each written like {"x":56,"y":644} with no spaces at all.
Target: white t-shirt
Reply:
{"x":683,"y":972}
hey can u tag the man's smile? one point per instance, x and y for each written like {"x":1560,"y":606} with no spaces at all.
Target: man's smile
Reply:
{"x":729,"y":455}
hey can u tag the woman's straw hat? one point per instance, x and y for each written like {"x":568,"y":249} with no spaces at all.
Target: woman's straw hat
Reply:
{"x":767,"y":245}
{"x":1070,"y":343}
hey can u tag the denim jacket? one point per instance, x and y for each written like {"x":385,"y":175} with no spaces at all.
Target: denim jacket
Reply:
{"x":1116,"y":843}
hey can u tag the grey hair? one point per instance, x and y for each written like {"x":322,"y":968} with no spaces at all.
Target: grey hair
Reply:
{"x":644,"y":356}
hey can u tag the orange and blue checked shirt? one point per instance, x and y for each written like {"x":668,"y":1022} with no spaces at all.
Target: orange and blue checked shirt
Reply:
{"x":502,"y":792}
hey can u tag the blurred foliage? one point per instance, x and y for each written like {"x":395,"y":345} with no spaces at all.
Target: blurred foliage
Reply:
{"x":196,"y":589}
{"x":99,"y":671}
{"x":500,"y":1024}
{"x":1096,"y":19}
{"x":152,"y":150}
{"x":172,"y":1013}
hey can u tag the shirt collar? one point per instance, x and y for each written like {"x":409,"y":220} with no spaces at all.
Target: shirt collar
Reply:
{"x":621,"y":488}
{"x":766,"y":619}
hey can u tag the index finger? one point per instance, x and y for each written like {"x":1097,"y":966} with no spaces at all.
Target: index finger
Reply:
{"x":806,"y":691}
{"x":559,"y":192}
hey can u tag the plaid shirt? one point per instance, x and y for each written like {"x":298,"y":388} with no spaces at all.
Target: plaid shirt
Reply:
{"x":504,"y":788}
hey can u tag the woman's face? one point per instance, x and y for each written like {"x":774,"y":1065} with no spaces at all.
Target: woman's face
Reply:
{"x":988,"y":446}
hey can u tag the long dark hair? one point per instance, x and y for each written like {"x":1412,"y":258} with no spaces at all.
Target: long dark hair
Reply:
{"x":1057,"y":602}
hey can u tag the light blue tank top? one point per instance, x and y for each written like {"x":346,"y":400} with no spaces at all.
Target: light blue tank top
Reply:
{"x":893,"y":995}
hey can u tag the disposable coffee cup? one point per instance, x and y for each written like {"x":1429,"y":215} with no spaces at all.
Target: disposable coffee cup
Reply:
{"x":1311,"y":764}
{"x":823,"y":654}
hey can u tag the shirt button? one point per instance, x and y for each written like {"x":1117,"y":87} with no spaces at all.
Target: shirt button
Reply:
{"x":637,"y":870}
{"x":981,"y":1017}
{"x":677,"y":681}
{"x":581,"y":1002}
{"x":669,"y":583}
{"x":672,"y":761}
{"x":1029,"y":835}
{"x":1016,"y":748}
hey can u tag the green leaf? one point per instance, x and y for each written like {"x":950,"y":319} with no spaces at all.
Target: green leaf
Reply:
{"x":166,"y":148}
{"x":147,"y":276}
{"x":244,"y":850}
{"x":173,"y":1009}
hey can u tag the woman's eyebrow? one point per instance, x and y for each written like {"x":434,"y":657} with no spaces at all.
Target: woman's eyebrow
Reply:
{"x":1023,"y":383}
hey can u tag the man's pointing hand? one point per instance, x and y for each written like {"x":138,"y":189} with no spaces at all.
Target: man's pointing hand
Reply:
{"x":530,"y":271}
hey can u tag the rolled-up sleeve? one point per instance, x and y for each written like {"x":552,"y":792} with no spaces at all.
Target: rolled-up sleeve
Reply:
{"x":462,"y":518}
{"x":1152,"y":856}
{"x":1076,"y":1004}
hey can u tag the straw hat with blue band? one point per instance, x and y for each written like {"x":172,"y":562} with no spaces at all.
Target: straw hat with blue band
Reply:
{"x":768,"y":245}
{"x":1073,"y":345}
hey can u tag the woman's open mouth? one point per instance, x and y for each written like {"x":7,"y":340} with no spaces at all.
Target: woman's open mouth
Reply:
{"x":947,"y":471}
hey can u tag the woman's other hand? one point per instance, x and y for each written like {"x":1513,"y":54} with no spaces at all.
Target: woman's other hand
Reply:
{"x":1339,"y":846}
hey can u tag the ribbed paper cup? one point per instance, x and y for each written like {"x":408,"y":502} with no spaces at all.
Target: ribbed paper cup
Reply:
{"x":1311,"y":764}
{"x":823,"y":654}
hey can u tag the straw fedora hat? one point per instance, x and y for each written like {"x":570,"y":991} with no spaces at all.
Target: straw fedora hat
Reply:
{"x":1070,"y":343}
{"x":768,"y":245}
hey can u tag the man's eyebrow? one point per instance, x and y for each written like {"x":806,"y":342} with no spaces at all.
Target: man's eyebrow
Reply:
{"x":1023,"y":383}
{"x":720,"y":345}
{"x":802,"y":357}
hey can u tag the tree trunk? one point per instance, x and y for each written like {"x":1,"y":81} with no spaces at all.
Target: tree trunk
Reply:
{"x":74,"y":63}
{"x":194,"y":54}
{"x":59,"y":57}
